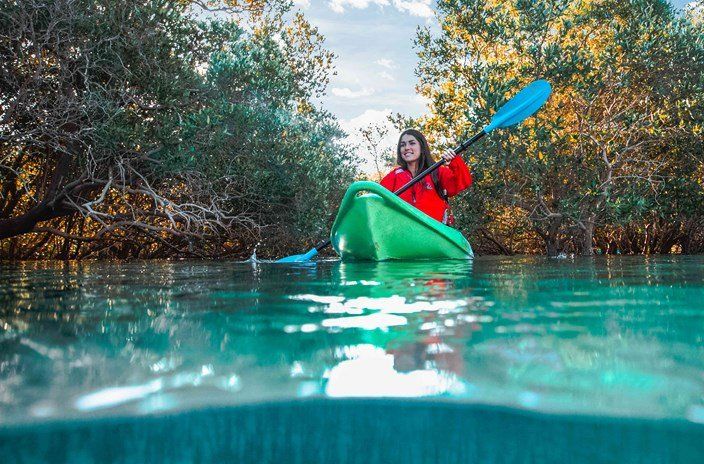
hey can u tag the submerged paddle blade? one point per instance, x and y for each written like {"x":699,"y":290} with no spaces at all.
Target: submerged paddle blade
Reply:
{"x":524,"y":104}
{"x":299,"y":258}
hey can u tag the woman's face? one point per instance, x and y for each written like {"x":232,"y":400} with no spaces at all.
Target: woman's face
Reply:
{"x":410,"y":148}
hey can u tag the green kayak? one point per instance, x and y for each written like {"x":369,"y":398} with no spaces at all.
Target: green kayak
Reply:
{"x":374,"y":224}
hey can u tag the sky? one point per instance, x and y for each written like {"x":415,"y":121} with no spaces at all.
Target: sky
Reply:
{"x":375,"y":60}
{"x":373,"y":42}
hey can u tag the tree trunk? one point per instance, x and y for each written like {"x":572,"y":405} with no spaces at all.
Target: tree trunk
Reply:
{"x":553,"y":244}
{"x":587,"y":243}
{"x":552,"y":247}
{"x":503,"y":249}
{"x":47,"y":208}
{"x":66,"y":246}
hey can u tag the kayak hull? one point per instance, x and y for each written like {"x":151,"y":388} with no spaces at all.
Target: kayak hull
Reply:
{"x":374,"y":224}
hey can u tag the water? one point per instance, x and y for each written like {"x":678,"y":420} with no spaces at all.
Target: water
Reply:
{"x":604,"y":339}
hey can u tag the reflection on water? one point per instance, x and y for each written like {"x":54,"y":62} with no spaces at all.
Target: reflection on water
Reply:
{"x":369,"y":371}
{"x":614,"y":336}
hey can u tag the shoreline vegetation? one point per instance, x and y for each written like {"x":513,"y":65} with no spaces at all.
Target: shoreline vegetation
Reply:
{"x":138,"y":129}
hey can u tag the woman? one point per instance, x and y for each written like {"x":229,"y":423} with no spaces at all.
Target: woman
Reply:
{"x":430,"y":194}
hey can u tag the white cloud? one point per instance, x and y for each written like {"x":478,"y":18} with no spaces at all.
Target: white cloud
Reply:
{"x":338,"y":6}
{"x":387,"y":76}
{"x":346,"y":92}
{"x":367,"y":118}
{"x":304,"y":4}
{"x":420,"y":8}
{"x":386,"y":63}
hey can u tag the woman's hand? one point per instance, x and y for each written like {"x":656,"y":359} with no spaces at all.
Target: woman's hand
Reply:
{"x":448,"y":155}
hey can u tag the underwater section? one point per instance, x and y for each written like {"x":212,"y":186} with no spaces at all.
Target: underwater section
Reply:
{"x":355,"y":431}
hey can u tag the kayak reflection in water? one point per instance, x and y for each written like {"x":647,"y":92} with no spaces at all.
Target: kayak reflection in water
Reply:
{"x":431,"y":194}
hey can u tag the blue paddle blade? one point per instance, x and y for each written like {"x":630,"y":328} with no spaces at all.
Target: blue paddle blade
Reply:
{"x":299,"y":258}
{"x":524,"y":104}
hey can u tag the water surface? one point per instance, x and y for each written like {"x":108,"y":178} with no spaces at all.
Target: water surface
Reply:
{"x":618,"y":337}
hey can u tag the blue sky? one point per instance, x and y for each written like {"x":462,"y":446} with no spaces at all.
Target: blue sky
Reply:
{"x":375,"y":56}
{"x":373,"y":41}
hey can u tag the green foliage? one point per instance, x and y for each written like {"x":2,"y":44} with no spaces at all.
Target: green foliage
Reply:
{"x":182,"y":133}
{"x":627,"y":107}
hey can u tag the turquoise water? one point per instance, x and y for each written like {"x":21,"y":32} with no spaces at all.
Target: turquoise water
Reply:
{"x":605,"y":338}
{"x":618,"y":337}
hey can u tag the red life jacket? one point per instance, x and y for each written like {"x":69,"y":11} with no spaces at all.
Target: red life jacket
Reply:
{"x":452,"y":179}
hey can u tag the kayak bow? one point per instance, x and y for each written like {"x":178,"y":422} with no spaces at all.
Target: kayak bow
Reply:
{"x":378,"y":225}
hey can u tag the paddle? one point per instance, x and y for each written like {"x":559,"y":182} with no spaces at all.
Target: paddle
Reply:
{"x":516,"y":110}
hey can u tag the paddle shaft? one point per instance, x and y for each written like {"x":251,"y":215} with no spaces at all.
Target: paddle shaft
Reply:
{"x":460,"y":148}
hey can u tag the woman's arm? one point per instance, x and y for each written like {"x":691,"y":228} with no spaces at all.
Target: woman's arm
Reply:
{"x":455,"y":177}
